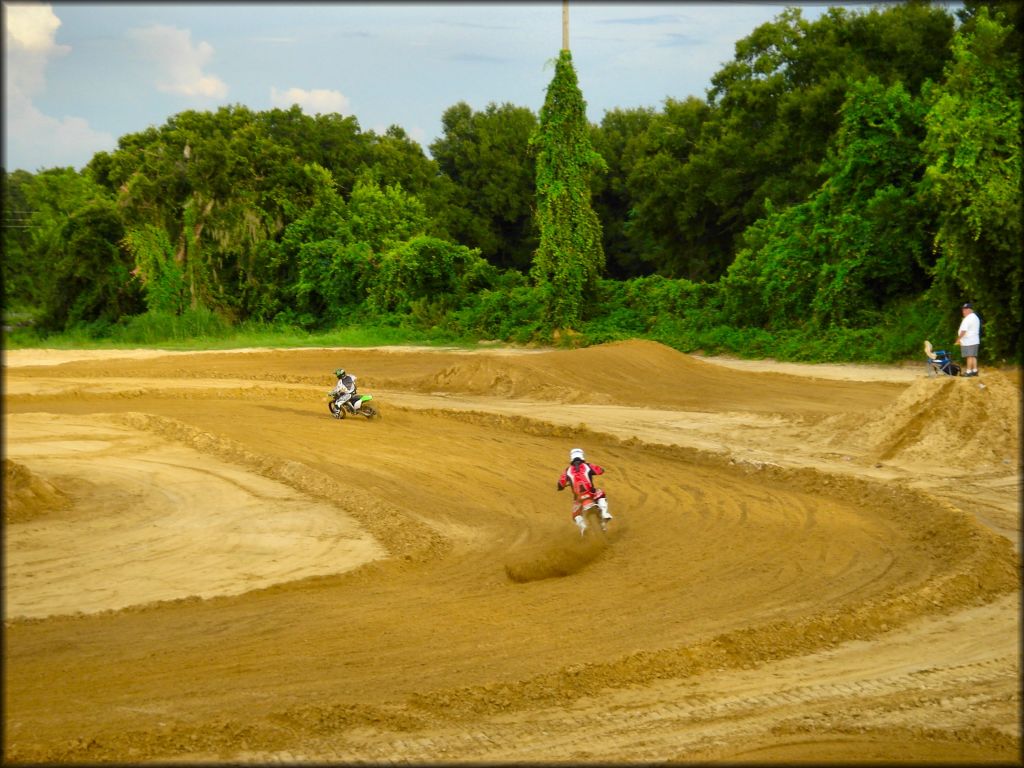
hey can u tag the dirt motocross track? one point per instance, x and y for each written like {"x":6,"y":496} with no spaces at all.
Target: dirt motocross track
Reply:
{"x":806,"y":563}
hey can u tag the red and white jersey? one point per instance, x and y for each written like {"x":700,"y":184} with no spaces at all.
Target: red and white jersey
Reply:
{"x":580,"y":477}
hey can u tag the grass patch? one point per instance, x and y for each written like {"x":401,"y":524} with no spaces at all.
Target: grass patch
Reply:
{"x":202,"y":332}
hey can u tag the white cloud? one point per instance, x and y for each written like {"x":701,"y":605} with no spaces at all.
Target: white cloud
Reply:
{"x":34,"y":140}
{"x":30,"y":32}
{"x":180,"y":63}
{"x":317,"y":101}
{"x":32,"y":28}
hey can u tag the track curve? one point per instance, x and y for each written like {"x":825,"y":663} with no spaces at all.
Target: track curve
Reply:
{"x":413,"y":588}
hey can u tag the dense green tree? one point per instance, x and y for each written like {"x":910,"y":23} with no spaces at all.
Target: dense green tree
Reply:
{"x":662,"y":202}
{"x":868,"y":218}
{"x":298,"y":276}
{"x":22,"y":278}
{"x":973,"y":152}
{"x":330,"y":140}
{"x":382,"y":216}
{"x":620,"y":140}
{"x":776,"y":105}
{"x":773,"y":280}
{"x":485,"y":156}
{"x":223,"y":185}
{"x":330,"y":256}
{"x":859,"y":242}
{"x":394,"y":158}
{"x":40,"y":205}
{"x":425,"y":270}
{"x":569,"y":258}
{"x":91,"y":277}
{"x":318,"y":245}
{"x":1008,"y":12}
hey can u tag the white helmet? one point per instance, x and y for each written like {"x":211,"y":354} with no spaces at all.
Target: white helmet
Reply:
{"x":576,"y":453}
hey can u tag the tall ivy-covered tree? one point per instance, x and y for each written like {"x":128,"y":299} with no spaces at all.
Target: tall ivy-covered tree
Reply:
{"x":569,"y":258}
{"x":974,"y":175}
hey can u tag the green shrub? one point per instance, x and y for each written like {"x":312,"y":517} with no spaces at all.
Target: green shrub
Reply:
{"x":426,"y":267}
{"x":513,"y":311}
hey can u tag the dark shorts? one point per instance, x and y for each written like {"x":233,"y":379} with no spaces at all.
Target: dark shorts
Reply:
{"x":969,"y":351}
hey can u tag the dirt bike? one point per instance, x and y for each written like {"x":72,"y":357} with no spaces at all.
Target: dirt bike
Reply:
{"x":348,"y":408}
{"x":587,"y":505}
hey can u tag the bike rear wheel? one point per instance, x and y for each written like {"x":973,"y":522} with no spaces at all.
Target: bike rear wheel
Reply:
{"x":594,"y":521}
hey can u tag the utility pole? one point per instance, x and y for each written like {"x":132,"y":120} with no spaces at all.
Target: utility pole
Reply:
{"x":565,"y":25}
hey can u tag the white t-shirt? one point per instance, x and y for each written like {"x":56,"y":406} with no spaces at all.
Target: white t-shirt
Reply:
{"x":972,"y":325}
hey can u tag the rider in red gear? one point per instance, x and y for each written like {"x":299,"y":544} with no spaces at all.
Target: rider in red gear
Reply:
{"x":579,"y":475}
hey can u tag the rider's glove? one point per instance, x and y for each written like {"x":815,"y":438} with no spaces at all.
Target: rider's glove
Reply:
{"x":559,"y":487}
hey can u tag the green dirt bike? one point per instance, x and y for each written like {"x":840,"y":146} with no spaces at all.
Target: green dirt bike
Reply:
{"x":339,"y":411}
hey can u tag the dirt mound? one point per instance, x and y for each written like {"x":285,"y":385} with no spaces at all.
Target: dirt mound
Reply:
{"x":637,"y":373}
{"x":607,"y":371}
{"x":28,"y":496}
{"x":967,"y":422}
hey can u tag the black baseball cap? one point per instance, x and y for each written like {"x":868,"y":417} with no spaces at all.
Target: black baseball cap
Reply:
{"x":966,"y":305}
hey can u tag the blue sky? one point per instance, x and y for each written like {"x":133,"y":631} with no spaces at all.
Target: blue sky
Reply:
{"x":80,"y":75}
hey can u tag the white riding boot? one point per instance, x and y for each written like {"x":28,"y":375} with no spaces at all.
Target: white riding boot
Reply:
{"x":580,"y":523}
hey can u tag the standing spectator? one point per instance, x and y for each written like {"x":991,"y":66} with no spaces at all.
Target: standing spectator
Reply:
{"x":969,"y":339}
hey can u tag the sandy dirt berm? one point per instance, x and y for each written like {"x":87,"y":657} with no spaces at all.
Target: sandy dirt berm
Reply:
{"x":805,"y":562}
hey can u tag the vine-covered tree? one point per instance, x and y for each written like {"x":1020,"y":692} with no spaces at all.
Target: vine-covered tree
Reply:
{"x":162,"y":278}
{"x":569,"y":258}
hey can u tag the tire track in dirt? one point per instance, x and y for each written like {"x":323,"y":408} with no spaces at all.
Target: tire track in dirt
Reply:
{"x":704,"y":715}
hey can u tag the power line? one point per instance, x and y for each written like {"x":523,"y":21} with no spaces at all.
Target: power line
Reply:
{"x":18,"y":220}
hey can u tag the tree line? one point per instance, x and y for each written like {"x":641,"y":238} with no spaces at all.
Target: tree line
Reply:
{"x":845,"y":181}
